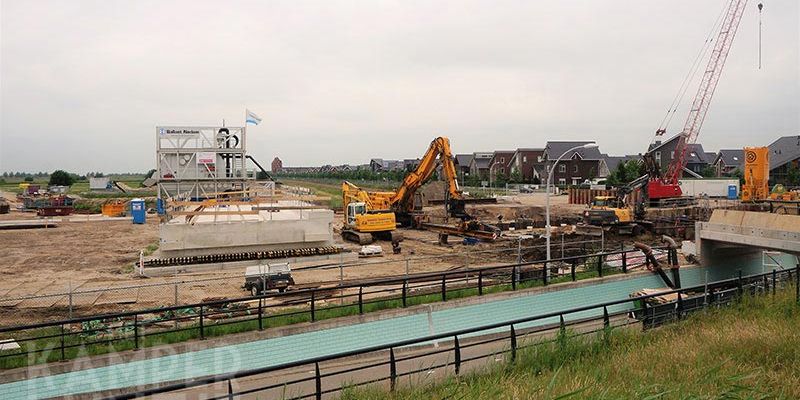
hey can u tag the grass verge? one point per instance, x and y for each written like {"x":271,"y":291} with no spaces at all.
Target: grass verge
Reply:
{"x":747,"y":351}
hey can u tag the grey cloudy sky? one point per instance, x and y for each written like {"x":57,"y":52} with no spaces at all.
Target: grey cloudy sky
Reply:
{"x":84,"y":83}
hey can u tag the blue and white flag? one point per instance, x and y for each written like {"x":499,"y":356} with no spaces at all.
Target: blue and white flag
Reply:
{"x":252,"y":118}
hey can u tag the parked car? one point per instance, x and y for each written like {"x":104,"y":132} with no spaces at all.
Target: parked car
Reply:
{"x":259,"y":279}
{"x":525,"y":189}
{"x":594,"y":184}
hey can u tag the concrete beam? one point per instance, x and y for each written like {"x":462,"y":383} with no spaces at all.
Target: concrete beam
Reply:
{"x":769,"y":239}
{"x":738,"y":234}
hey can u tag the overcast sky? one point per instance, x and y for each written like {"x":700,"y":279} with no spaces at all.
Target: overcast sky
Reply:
{"x":84,"y":83}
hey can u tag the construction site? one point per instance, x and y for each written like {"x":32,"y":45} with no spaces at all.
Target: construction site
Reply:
{"x":166,"y":284}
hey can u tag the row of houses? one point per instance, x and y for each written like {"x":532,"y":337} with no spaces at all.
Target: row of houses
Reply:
{"x":784,"y":153}
{"x":277,"y":167}
{"x":530,"y":165}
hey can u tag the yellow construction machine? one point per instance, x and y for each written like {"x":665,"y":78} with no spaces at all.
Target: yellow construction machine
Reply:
{"x":367,"y":215}
{"x":612,"y":212}
{"x":756,"y":175}
{"x":780,"y":193}
{"x":375,"y":215}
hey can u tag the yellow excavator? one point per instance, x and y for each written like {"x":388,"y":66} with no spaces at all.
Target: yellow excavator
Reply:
{"x":367,"y":215}
{"x":612,"y":212}
{"x":375,"y":215}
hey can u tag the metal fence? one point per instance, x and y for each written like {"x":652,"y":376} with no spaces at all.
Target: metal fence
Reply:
{"x":66,"y":302}
{"x":63,"y":339}
{"x":456,"y":351}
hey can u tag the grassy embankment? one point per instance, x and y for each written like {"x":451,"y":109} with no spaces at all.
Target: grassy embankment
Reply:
{"x":747,"y":351}
{"x":333,"y":188}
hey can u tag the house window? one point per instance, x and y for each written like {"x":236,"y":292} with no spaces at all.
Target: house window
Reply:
{"x":658,"y":157}
{"x":575,"y":168}
{"x":562,"y":168}
{"x":539,"y":159}
{"x":524,"y":159}
{"x":576,"y":181}
{"x":502,"y":170}
{"x":562,"y":181}
{"x":672,"y":155}
{"x":502,"y":159}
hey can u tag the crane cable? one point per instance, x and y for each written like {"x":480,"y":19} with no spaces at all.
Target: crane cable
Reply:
{"x":684,"y":87}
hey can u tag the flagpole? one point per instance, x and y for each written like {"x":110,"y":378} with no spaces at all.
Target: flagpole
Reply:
{"x":244,"y":143}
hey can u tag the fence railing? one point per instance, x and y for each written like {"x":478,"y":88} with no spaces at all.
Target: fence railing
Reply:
{"x":64,"y":339}
{"x":72,"y":301}
{"x":387,"y":364}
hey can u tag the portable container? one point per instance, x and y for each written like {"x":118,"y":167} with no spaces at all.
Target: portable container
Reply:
{"x":138,"y":211}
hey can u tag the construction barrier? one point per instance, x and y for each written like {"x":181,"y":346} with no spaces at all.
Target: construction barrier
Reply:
{"x":114,"y":209}
{"x":585,"y":196}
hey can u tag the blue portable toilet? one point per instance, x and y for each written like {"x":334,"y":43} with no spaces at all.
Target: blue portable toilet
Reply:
{"x":138,"y":211}
{"x":733,"y":192}
{"x":160,"y":207}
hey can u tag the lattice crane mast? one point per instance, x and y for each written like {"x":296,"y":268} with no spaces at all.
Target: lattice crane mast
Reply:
{"x":666,"y":185}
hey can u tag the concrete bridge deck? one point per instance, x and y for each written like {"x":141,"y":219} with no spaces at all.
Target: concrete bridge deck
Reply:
{"x":731,"y":231}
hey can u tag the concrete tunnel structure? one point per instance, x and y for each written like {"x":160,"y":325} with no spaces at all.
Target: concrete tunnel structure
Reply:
{"x":733,"y":233}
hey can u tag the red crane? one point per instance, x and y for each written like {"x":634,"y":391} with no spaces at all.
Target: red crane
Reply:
{"x":661,"y":186}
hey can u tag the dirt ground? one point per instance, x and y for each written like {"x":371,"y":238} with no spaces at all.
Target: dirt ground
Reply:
{"x":81,"y":256}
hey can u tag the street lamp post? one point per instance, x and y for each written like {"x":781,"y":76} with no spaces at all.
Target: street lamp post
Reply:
{"x":547,"y":228}
{"x":493,"y":174}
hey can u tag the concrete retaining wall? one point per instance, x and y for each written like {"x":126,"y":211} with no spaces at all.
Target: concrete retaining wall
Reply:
{"x":314,"y":229}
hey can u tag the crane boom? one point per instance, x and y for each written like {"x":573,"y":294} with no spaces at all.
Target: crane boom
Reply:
{"x":666,"y":186}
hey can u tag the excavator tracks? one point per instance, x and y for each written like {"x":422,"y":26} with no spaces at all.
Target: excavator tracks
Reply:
{"x":354,"y":236}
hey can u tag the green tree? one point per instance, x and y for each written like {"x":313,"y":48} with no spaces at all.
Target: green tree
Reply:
{"x":61,"y":178}
{"x":473,"y":180}
{"x":515,"y":177}
{"x":792,"y":175}
{"x":500,"y":179}
{"x":737,"y":173}
{"x":28,"y":179}
{"x":708,"y":171}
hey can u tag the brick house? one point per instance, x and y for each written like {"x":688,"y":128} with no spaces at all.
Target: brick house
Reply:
{"x":664,"y":153}
{"x":575,"y":166}
{"x":500,"y":164}
{"x":783,"y":153}
{"x":479,"y":165}
{"x":728,"y":161}
{"x":529,"y":162}
{"x":277,"y":165}
{"x":462,"y":163}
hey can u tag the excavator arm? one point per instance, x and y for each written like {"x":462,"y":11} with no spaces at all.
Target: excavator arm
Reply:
{"x":352,"y":193}
{"x":403,"y":198}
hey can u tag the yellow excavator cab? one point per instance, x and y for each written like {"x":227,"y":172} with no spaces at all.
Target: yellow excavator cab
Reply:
{"x":358,"y":217}
{"x":604,"y":202}
{"x":608,"y":210}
